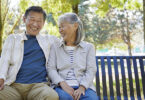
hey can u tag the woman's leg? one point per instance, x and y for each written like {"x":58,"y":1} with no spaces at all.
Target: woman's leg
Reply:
{"x":62,"y":94}
{"x":89,"y":95}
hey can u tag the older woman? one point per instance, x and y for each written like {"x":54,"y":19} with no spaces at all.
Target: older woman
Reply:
{"x":71,"y":64}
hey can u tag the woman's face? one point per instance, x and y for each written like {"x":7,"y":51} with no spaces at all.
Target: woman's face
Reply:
{"x":67,"y":30}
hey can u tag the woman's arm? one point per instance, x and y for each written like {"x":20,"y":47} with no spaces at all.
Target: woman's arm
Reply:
{"x":88,"y":77}
{"x":53,"y":74}
{"x":90,"y":72}
{"x":52,"y":67}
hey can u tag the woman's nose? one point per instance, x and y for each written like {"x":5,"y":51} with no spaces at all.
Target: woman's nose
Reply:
{"x":60,"y":29}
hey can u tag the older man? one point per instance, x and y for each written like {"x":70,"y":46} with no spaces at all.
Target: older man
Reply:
{"x":23,"y":72}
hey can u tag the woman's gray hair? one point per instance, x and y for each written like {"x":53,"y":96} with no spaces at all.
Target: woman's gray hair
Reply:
{"x":73,"y":18}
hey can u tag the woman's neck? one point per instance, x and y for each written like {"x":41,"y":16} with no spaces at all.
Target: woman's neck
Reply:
{"x":70,"y":42}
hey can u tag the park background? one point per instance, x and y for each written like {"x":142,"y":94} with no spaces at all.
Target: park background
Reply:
{"x":115,"y":27}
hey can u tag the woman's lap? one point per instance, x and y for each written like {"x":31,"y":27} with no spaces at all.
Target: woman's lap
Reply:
{"x":89,"y":94}
{"x":62,"y":94}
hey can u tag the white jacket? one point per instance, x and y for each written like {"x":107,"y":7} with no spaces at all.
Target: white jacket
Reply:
{"x":12,"y":54}
{"x":84,"y":64}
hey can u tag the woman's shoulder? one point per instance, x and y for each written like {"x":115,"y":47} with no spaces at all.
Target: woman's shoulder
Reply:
{"x":56,"y":44}
{"x":86,"y":44}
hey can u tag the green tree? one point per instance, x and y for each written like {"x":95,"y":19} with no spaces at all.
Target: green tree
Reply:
{"x":99,"y":31}
{"x":111,"y":30}
{"x":55,"y":8}
{"x":105,"y":6}
{"x":4,"y":9}
{"x":23,"y":5}
{"x":10,"y":18}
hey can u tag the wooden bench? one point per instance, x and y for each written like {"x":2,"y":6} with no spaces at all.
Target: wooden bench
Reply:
{"x":120,"y":77}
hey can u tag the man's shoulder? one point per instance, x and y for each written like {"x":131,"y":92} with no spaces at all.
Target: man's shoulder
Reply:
{"x":48,"y":36}
{"x":14,"y":36}
{"x":51,"y":38}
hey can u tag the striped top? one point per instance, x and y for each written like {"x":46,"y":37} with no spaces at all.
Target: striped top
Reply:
{"x":70,"y":50}
{"x":71,"y":78}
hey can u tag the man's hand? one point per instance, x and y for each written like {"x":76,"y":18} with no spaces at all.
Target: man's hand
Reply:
{"x":1,"y":84}
{"x":77,"y":93}
{"x":67,"y":88}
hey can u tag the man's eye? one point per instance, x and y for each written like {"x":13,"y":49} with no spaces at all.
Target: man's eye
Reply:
{"x":39,"y":21}
{"x":32,"y":20}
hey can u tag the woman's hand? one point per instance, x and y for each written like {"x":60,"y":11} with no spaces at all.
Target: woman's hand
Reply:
{"x":1,"y":84}
{"x":67,"y":88}
{"x":77,"y":93}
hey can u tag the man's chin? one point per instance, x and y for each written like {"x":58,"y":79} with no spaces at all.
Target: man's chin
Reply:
{"x":33,"y":33}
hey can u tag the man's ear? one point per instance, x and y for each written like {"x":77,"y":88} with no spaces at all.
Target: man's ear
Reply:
{"x":24,"y":19}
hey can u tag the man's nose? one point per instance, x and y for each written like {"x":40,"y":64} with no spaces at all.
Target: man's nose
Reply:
{"x":35,"y":23}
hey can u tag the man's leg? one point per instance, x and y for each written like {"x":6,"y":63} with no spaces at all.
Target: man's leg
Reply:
{"x":89,"y":95}
{"x":41,"y":91}
{"x":62,"y":94}
{"x":9,"y":93}
{"x":23,"y":89}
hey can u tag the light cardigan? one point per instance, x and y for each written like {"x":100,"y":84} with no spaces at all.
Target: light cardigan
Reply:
{"x":12,"y":54}
{"x":84,"y":64}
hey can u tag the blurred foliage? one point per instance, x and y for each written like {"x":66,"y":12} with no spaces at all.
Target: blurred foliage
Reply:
{"x":122,"y":10}
{"x":104,"y":6}
{"x":54,"y":8}
{"x":106,"y":22}
{"x":111,"y":30}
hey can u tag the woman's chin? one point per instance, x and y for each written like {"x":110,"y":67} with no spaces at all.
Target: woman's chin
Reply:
{"x":64,"y":38}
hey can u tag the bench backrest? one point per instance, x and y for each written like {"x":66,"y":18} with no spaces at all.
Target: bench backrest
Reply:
{"x":120,"y":77}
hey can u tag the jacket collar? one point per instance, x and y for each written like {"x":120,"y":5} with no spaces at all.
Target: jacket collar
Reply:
{"x":24,"y":37}
{"x":62,"y":43}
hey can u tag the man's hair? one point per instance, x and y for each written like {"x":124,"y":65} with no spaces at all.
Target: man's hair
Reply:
{"x":35,"y":9}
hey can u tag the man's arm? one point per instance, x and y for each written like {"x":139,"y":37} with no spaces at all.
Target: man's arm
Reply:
{"x":6,"y":56}
{"x":53,"y":39}
{"x":1,"y":84}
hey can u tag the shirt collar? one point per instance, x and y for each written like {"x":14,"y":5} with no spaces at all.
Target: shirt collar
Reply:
{"x":24,"y":37}
{"x":81,"y":44}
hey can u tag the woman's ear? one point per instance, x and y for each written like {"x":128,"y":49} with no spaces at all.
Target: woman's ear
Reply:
{"x":76,"y":25}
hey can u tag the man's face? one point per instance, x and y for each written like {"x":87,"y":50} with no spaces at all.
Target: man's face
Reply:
{"x":34,"y":22}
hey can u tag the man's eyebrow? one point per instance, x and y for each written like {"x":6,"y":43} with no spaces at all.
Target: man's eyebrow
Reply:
{"x":35,"y":17}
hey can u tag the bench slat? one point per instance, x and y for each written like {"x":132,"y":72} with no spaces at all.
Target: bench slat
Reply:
{"x":142,"y":74}
{"x":136,"y":79}
{"x":117,"y":78}
{"x":98,"y":79}
{"x":130,"y":78}
{"x":123,"y":79}
{"x":104,"y":79}
{"x":110,"y":78}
